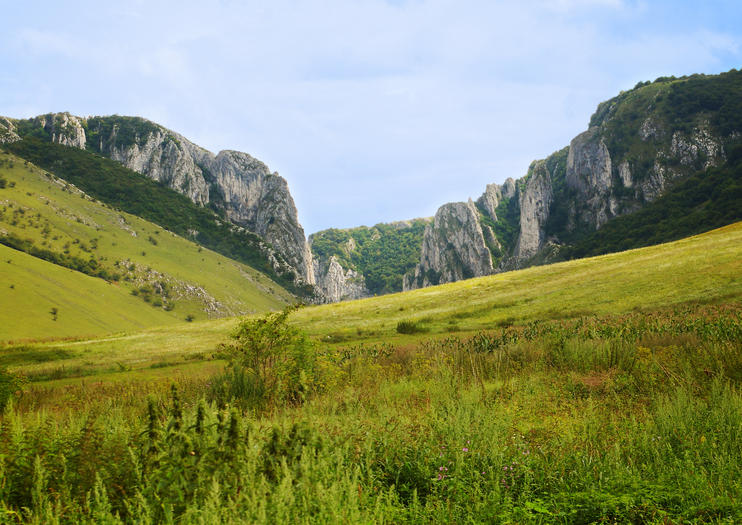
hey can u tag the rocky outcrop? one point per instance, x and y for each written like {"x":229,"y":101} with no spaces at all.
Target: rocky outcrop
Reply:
{"x":7,"y":131}
{"x":453,"y":248}
{"x":64,"y":129}
{"x":336,"y":283}
{"x":163,"y":156}
{"x":589,"y":175}
{"x":490,"y":199}
{"x":535,"y":202}
{"x":700,"y":149}
{"x":494,"y":194}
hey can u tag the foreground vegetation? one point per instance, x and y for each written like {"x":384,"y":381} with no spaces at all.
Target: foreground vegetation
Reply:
{"x":629,"y":418}
{"x":602,"y":390}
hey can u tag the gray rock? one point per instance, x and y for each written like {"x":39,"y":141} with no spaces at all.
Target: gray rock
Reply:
{"x":535,"y":203}
{"x":336,"y":283}
{"x":7,"y":131}
{"x":624,"y":172}
{"x":490,"y":199}
{"x":251,"y":195}
{"x":589,"y":175}
{"x":453,"y":248}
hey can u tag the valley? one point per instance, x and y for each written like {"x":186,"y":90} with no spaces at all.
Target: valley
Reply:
{"x":566,"y":348}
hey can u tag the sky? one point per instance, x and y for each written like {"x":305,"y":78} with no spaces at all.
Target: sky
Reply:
{"x":373,"y":110}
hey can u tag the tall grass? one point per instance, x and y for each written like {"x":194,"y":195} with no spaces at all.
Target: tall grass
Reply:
{"x":632,"y":419}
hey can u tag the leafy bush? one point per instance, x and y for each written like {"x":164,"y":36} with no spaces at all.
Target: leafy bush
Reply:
{"x":410,"y":327}
{"x":10,"y":384}
{"x":268,"y":361}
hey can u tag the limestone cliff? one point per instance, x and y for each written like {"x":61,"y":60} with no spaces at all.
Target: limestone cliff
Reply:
{"x":535,"y":202}
{"x":336,"y":283}
{"x":637,"y":146}
{"x":453,"y":248}
{"x":7,"y":131}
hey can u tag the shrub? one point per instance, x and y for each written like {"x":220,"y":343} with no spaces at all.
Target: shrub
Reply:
{"x":410,"y":327}
{"x":10,"y":385}
{"x":268,"y":361}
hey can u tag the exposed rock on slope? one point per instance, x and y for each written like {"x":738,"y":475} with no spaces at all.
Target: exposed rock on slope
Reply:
{"x":336,"y":283}
{"x":373,"y":259}
{"x":453,"y":248}
{"x":589,"y":174}
{"x":7,"y":131}
{"x":535,"y":203}
{"x":637,"y":147}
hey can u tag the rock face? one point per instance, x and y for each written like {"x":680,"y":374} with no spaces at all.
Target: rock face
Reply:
{"x":589,"y":175}
{"x":535,"y":203}
{"x":7,"y":131}
{"x":232,"y":182}
{"x":336,"y":283}
{"x":64,"y":129}
{"x":453,"y":248}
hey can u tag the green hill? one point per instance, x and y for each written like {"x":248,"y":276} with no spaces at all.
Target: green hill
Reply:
{"x":129,"y":191}
{"x":705,"y":269}
{"x":163,"y":277}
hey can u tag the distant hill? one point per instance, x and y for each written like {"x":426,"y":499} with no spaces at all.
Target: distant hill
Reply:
{"x":358,"y":262}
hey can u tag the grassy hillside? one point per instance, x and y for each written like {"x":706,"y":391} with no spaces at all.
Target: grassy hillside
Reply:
{"x":604,"y":390}
{"x":163,"y":276}
{"x":705,"y":269}
{"x":30,"y":288}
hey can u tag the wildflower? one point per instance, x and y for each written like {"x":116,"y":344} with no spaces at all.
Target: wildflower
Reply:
{"x":465,"y":449}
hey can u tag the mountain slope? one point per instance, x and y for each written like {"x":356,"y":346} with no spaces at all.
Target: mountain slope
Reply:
{"x":129,"y":191}
{"x":240,"y":188}
{"x":163,"y":276}
{"x":30,"y":288}
{"x":702,"y":270}
{"x":669,"y":151}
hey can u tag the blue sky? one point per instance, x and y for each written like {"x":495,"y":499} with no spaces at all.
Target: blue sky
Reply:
{"x":373,"y":110}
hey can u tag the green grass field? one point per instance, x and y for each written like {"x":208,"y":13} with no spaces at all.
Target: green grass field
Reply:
{"x":705,"y":269}
{"x":604,"y":390}
{"x":57,"y":217}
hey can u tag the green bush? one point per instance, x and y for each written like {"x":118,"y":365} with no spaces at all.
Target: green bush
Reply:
{"x":269,"y":361}
{"x":10,"y":385}
{"x":409,"y":327}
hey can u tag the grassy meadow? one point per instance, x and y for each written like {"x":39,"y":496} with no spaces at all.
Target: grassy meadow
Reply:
{"x":171,"y":278}
{"x":599,"y":390}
